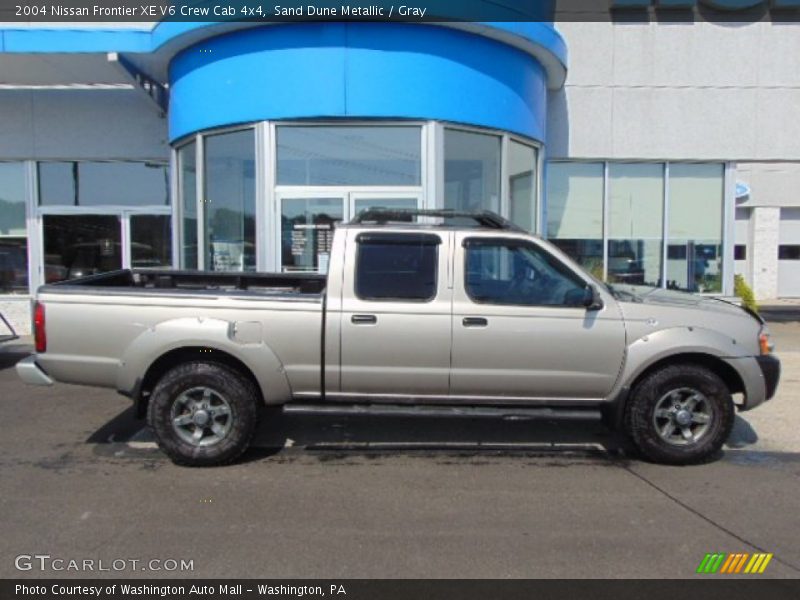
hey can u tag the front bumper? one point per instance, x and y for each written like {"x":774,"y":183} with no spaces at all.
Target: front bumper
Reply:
{"x":31,"y":373}
{"x":771,"y":369}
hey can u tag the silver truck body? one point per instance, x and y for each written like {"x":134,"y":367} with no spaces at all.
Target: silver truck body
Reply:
{"x":464,"y":319}
{"x":307,"y":346}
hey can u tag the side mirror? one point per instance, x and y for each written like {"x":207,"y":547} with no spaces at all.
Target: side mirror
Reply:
{"x":592,"y":299}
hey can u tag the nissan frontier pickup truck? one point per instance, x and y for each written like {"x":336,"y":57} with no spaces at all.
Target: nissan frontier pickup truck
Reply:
{"x":463,"y":312}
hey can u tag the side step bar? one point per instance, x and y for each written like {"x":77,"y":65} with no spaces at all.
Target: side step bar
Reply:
{"x":399,"y":410}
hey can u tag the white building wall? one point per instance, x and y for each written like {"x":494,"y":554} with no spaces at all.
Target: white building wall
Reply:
{"x":690,"y":91}
{"x":75,"y":124}
{"x":660,"y":90}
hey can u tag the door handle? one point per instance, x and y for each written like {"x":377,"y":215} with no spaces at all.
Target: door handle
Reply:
{"x":474,"y":322}
{"x":364,"y":319}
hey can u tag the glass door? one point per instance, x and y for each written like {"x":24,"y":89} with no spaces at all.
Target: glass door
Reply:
{"x":307,"y":221}
{"x":306,"y":234}
{"x":361,"y":201}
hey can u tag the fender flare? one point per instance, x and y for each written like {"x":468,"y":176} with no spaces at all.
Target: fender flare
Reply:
{"x":215,"y":334}
{"x":647,"y":351}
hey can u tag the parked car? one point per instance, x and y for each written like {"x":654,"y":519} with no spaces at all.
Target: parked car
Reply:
{"x":474,"y":318}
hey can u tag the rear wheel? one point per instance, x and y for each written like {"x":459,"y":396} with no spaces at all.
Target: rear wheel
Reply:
{"x":203,"y":414}
{"x":680,"y":414}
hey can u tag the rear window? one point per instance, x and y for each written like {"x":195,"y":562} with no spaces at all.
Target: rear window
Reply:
{"x":396,"y":267}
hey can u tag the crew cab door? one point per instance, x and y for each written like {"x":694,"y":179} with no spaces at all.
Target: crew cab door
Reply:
{"x":521,"y":329}
{"x":395,"y":315}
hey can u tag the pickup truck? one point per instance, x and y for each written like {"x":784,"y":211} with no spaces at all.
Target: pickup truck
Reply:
{"x":458,"y":311}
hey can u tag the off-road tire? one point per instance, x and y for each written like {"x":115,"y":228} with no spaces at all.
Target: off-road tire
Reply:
{"x":640,"y":410}
{"x":240,"y":394}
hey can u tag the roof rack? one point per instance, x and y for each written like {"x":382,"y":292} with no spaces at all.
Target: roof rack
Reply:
{"x":485,"y":218}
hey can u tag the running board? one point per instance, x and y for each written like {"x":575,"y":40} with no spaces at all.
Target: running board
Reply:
{"x":392,"y":410}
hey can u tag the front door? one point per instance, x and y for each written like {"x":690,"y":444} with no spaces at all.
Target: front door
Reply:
{"x":307,"y":224}
{"x":520,"y":330}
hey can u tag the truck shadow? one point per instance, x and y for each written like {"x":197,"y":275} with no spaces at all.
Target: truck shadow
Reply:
{"x":338,"y":437}
{"x":11,"y":354}
{"x":354,"y":434}
{"x":279,"y":432}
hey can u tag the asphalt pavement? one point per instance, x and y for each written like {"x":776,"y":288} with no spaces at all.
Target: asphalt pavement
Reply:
{"x":368,"y":497}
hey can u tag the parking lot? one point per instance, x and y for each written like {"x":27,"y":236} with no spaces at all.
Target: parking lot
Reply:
{"x":378,"y":497}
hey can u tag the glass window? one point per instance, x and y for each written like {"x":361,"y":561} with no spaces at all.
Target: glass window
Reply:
{"x":521,"y":274}
{"x":696,"y":193}
{"x":123,"y":183}
{"x":575,"y":212}
{"x":79,"y":245}
{"x":58,"y":183}
{"x":151,"y":241}
{"x":187,"y":192}
{"x":13,"y":265}
{"x":471,"y":171}
{"x":349,"y":155}
{"x":789,"y":252}
{"x":230,"y":201}
{"x":396,"y":267}
{"x":12,"y":199}
{"x":362,"y":204}
{"x":522,"y":185}
{"x":13,"y":230}
{"x":103,"y":184}
{"x":307,"y":232}
{"x":740,"y":252}
{"x":635,"y":228}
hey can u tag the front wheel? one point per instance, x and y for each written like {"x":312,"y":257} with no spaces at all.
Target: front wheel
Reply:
{"x":203,"y":414}
{"x":680,"y":414}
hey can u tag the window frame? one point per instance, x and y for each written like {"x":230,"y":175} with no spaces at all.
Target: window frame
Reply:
{"x":123,"y":212}
{"x":727,"y":234}
{"x":30,"y":239}
{"x":509,"y":241}
{"x":433,"y":240}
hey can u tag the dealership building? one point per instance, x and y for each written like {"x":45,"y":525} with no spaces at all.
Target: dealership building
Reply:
{"x":658,"y":152}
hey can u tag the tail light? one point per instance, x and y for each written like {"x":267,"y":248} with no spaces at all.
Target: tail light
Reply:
{"x":765,"y":344}
{"x":39,"y":331}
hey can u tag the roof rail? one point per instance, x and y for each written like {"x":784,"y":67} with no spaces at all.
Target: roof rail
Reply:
{"x":484,"y":218}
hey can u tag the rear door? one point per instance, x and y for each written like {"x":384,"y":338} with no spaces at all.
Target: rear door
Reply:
{"x":395,"y":318}
{"x":520,"y":329}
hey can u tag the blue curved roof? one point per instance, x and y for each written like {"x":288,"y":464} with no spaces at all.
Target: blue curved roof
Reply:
{"x":152,"y":49}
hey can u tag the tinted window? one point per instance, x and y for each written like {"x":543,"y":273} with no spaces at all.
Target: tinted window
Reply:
{"x":740,"y":252}
{"x":151,"y":241}
{"x":789,"y":252}
{"x":396,"y":267}
{"x":519,"y":273}
{"x":80,"y":245}
{"x":13,"y":265}
{"x":103,"y":183}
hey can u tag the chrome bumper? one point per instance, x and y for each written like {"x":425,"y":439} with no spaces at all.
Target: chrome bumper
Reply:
{"x":30,"y":372}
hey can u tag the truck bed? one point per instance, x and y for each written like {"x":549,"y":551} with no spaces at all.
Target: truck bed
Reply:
{"x":101,"y":327}
{"x":131,"y":280}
